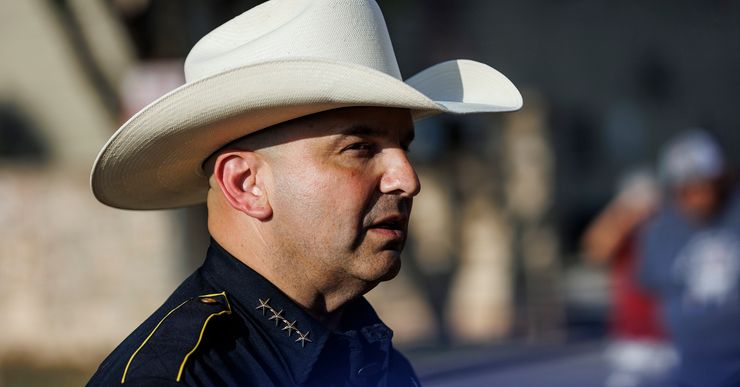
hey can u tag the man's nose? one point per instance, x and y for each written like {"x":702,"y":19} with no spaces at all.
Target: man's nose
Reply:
{"x":399,"y":176}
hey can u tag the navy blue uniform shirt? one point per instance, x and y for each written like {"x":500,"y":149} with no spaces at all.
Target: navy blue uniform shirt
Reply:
{"x":228,"y":326}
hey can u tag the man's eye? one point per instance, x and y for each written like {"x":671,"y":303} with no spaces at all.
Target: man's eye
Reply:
{"x":364,"y":147}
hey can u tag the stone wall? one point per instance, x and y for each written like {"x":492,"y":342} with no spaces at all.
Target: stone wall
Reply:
{"x":75,"y":276}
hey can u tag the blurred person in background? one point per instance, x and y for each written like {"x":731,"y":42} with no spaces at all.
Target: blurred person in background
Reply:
{"x":638,"y":354}
{"x":293,"y":127}
{"x":691,"y":262}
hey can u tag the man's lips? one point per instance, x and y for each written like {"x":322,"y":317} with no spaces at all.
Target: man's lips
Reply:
{"x":392,"y":226}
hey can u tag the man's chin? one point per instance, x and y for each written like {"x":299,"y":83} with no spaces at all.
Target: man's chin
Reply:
{"x":379,"y":267}
{"x":392,"y":268}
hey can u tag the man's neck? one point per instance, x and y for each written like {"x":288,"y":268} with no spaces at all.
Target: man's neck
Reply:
{"x":322,"y":304}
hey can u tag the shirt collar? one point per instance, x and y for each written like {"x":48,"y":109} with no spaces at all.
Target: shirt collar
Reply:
{"x":299,"y":337}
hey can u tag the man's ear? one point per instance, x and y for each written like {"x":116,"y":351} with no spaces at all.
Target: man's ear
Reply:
{"x":239,"y":175}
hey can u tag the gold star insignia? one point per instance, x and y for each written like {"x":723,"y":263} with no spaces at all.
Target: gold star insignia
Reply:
{"x":263,"y":305}
{"x":277,"y":316}
{"x":290,"y":327}
{"x":303,"y":338}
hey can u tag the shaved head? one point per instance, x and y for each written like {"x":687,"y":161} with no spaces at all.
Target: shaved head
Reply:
{"x":321,"y":202}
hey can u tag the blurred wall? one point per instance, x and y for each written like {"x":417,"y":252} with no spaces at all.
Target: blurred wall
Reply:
{"x":76,"y":276}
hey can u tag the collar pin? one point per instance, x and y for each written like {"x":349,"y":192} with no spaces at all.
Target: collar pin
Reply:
{"x":264,"y":305}
{"x":303,"y":338}
{"x":290,"y":327}
{"x":277,"y":316}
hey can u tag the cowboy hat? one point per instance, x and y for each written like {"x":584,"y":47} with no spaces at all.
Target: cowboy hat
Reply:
{"x":278,"y":61}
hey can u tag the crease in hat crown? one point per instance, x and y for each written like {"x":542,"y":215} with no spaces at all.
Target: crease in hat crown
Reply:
{"x":278,"y":61}
{"x":344,"y":31}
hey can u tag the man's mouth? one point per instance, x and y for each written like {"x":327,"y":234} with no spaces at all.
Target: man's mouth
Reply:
{"x":392,"y":226}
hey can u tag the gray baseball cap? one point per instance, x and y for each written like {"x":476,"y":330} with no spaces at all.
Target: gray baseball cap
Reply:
{"x":693,"y":155}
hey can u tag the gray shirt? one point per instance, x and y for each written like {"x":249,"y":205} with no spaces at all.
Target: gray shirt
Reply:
{"x":695,"y":272}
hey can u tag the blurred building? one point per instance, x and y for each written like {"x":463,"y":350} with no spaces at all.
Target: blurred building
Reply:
{"x":76,"y":274}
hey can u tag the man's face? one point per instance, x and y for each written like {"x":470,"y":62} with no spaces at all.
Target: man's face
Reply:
{"x":341,"y":193}
{"x":699,"y":200}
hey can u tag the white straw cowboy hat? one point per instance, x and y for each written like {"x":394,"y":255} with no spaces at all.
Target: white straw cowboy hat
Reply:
{"x":278,"y":61}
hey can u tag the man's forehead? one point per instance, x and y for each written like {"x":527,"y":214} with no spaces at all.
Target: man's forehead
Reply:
{"x":365,"y":121}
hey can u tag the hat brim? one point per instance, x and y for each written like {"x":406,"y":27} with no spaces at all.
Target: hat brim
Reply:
{"x":154,"y":160}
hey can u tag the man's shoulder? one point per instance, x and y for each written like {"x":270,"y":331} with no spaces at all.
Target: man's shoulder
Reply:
{"x":158,"y":351}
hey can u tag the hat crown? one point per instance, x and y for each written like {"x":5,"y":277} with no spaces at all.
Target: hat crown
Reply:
{"x":692,"y":155}
{"x":346,"y":31}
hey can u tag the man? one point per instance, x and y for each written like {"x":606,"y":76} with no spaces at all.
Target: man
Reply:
{"x":293,"y":126}
{"x":638,"y":353}
{"x":691,"y":260}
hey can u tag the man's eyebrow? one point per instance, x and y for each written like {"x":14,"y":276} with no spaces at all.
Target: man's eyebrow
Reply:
{"x":363,"y":130}
{"x":368,"y":131}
